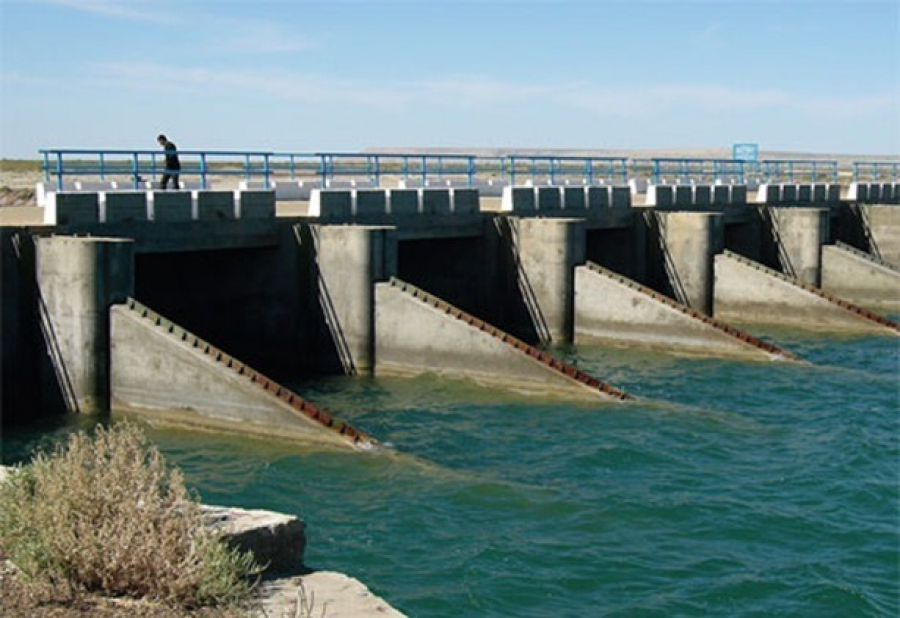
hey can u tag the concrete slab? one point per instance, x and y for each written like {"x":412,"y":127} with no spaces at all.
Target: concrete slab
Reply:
{"x":403,"y":202}
{"x":124,"y":207}
{"x":255,"y":204}
{"x":464,"y":201}
{"x":598,"y":198}
{"x":856,"y":276}
{"x":436,"y":202}
{"x":170,"y":206}
{"x":71,"y":208}
{"x":215,"y":205}
{"x":331,"y":205}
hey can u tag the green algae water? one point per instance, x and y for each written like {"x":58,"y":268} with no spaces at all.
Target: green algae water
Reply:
{"x":729,"y":489}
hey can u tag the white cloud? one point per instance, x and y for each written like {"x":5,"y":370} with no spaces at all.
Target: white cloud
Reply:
{"x":134,"y":10}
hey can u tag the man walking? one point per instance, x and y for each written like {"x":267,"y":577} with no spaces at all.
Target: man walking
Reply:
{"x":173,"y":165}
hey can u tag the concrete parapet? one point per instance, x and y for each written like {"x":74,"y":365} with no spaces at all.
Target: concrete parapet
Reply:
{"x":293,"y":190}
{"x":789,"y":193}
{"x":519,"y":200}
{"x":170,"y":206}
{"x":71,"y":208}
{"x":369,"y":206}
{"x":611,"y":308}
{"x":721,"y":195}
{"x":258,"y":204}
{"x":574,"y":200}
{"x":769,"y":194}
{"x":464,"y":201}
{"x":78,"y":279}
{"x":684,"y":196}
{"x":215,"y":205}
{"x":124,"y":207}
{"x":162,"y":372}
{"x":747,"y":292}
{"x":598,"y":198}
{"x":620,"y":197}
{"x":702,"y":196}
{"x":859,"y":277}
{"x":417,"y":333}
{"x":435,"y":202}
{"x":799,"y":234}
{"x":660,"y":196}
{"x":548,"y":200}
{"x":402,"y":202}
{"x":331,"y":206}
{"x":738,"y":195}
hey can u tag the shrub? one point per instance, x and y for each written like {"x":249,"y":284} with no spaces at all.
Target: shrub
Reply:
{"x":103,"y":513}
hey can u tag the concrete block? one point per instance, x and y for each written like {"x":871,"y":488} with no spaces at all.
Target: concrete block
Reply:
{"x":804,"y":194}
{"x":684,"y":196}
{"x":258,"y":204}
{"x":702,"y":196}
{"x":94,"y":186}
{"x":402,"y":202}
{"x":789,"y":194}
{"x":549,"y":200}
{"x":621,"y":197}
{"x":874,"y":193}
{"x":369,"y":205}
{"x":435,"y":202}
{"x":887,"y":193}
{"x":276,"y":540}
{"x":464,"y":201}
{"x":215,"y":205}
{"x":660,"y":196}
{"x":833,"y":193}
{"x":518,"y":200}
{"x":598,"y":198}
{"x":124,"y":206}
{"x":721,"y":195}
{"x":859,"y":192}
{"x":738,"y":195}
{"x":574,"y":200}
{"x":70,"y":208}
{"x":819,"y":193}
{"x":332,"y":206}
{"x":168,"y":206}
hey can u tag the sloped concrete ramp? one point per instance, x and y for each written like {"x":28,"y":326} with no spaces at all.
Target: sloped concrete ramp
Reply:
{"x":611,"y":308}
{"x":167,"y":374}
{"x":748,"y":292}
{"x":417,"y":333}
{"x":860,"y":277}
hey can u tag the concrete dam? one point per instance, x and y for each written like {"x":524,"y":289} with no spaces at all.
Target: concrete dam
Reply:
{"x":197,"y":307}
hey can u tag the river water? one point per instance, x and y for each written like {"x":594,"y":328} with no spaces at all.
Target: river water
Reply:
{"x":729,"y":489}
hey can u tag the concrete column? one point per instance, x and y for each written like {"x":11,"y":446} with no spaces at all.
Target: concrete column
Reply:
{"x":690,"y":241}
{"x":547,"y":252}
{"x":349,"y":260}
{"x":800,"y":234}
{"x":881,"y":226}
{"x":78,"y":280}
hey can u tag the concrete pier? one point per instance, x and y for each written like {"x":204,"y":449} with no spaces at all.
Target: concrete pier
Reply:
{"x":547,"y":252}
{"x":349,"y":260}
{"x":79,"y":279}
{"x":857,"y":276}
{"x":688,"y":241}
{"x":800,"y":234}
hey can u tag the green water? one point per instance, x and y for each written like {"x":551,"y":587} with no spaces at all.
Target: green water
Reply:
{"x":731,"y":489}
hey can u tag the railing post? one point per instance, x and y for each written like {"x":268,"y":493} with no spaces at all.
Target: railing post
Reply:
{"x":102,"y":167}
{"x":424,"y":170}
{"x":267,"y":171}
{"x":203,"y":170}
{"x":512,"y":171}
{"x":135,"y":168}
{"x":59,"y":170}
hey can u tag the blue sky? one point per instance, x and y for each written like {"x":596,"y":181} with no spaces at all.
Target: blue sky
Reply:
{"x":343,"y":75}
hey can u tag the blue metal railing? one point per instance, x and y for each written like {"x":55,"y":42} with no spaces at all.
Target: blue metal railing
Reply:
{"x":876,"y":171}
{"x":675,"y":170}
{"x":796,"y":170}
{"x":138,"y":165}
{"x":555,"y":169}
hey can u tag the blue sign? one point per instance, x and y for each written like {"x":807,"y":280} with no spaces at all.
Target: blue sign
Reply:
{"x":745,"y":152}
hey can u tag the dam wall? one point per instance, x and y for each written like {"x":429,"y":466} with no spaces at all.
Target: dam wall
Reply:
{"x":297,"y":296}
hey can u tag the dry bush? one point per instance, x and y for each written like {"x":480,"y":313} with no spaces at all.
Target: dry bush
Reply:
{"x":104,"y":514}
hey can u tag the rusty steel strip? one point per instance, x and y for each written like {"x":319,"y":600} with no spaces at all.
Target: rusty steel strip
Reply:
{"x":283,"y":394}
{"x":689,"y":311}
{"x":533,"y":352}
{"x":840,"y":302}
